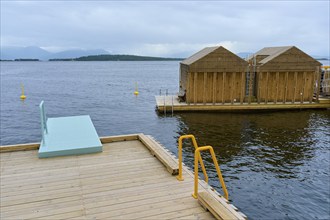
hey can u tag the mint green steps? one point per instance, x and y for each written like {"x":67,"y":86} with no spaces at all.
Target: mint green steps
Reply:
{"x":68,"y":136}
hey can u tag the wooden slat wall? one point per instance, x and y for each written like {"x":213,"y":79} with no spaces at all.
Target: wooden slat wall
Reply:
{"x":242,"y":86}
{"x":184,"y":70}
{"x":285,"y":87}
{"x":213,"y":87}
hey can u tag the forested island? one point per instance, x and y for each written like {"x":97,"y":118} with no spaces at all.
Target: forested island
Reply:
{"x":21,"y":60}
{"x":117,"y":58}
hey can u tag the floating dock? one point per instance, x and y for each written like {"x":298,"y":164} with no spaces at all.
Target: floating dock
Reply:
{"x":133,"y":178}
{"x":171,"y":104}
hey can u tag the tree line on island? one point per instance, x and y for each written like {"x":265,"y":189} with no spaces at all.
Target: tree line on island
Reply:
{"x":117,"y":58}
{"x":107,"y":58}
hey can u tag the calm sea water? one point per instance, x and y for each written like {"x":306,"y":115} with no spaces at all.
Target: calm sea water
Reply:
{"x":276,"y":165}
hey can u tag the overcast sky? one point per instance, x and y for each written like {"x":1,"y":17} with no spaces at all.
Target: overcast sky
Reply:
{"x":166,"y":28}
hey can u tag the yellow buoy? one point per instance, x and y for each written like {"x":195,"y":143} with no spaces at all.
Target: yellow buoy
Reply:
{"x":22,"y":96}
{"x":136,"y":90}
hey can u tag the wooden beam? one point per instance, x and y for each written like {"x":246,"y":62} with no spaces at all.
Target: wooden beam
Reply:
{"x":318,"y":83}
{"x":295,"y":87}
{"x":249,"y":85}
{"x":188,"y":89}
{"x":312,"y":88}
{"x":242,"y":87}
{"x":252,"y":107}
{"x":19,"y":147}
{"x":214,"y":97}
{"x":302,"y":94}
{"x":232,"y":87}
{"x":286,"y":86}
{"x":215,"y":207}
{"x":223,"y":87}
{"x":267,"y":86}
{"x":314,"y":82}
{"x":159,"y":152}
{"x":259,"y":74}
{"x":35,"y":146}
{"x":277,"y":85}
{"x":195,"y":88}
{"x":109,"y":139}
{"x":205,"y":87}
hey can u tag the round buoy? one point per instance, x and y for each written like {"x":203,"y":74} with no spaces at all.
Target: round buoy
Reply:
{"x":22,"y":96}
{"x":136,"y":89}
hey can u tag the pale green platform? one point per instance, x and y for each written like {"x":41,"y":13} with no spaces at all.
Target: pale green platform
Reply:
{"x":67,"y":136}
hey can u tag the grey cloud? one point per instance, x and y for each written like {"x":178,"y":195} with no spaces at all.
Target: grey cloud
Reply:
{"x":166,"y":28}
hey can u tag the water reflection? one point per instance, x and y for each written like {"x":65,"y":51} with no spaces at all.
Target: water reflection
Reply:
{"x":266,"y":157}
{"x":265,"y":142}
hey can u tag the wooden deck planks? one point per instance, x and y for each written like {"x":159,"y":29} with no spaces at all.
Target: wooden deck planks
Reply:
{"x":124,"y":181}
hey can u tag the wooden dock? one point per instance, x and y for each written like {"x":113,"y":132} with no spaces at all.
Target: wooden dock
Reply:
{"x":172,"y":104}
{"x":133,"y":178}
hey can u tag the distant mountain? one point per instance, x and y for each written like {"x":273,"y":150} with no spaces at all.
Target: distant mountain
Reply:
{"x":12,"y":53}
{"x":76,"y":53}
{"x":244,"y":55}
{"x":321,"y":57}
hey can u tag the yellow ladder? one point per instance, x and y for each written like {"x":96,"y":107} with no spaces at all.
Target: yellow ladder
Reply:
{"x":197,"y":159}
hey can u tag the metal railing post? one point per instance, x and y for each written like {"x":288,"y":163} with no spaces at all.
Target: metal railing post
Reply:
{"x":172,"y":106}
{"x":164,"y":105}
{"x":215,"y":162}
{"x":192,"y":137}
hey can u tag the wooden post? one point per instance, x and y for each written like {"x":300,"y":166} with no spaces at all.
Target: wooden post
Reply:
{"x":188,"y":87}
{"x":318,"y":83}
{"x":286,"y":86}
{"x":258,"y":86}
{"x":223,"y":86}
{"x":249,"y":85}
{"x":295,"y":87}
{"x":302,"y":94}
{"x":267,"y":78}
{"x":204,"y":88}
{"x":233,"y":87}
{"x":214,"y":87}
{"x":195,"y":88}
{"x":311,"y":94}
{"x":242,"y":87}
{"x":277,"y":85}
{"x":314,"y":83}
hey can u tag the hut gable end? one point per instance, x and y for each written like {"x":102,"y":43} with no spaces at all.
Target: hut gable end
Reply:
{"x":200,"y":54}
{"x":267,"y":53}
{"x":217,"y":59}
{"x":292,"y":59}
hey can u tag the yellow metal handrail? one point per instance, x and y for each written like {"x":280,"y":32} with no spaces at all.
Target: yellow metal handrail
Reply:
{"x":197,"y":157}
{"x":192,"y":137}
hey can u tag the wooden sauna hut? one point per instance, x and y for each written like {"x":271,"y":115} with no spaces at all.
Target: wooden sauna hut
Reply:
{"x":283,"y":74}
{"x":213,"y":75}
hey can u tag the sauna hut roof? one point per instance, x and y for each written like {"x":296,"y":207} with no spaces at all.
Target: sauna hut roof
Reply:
{"x":270,"y":53}
{"x":215,"y":59}
{"x":200,"y":54}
